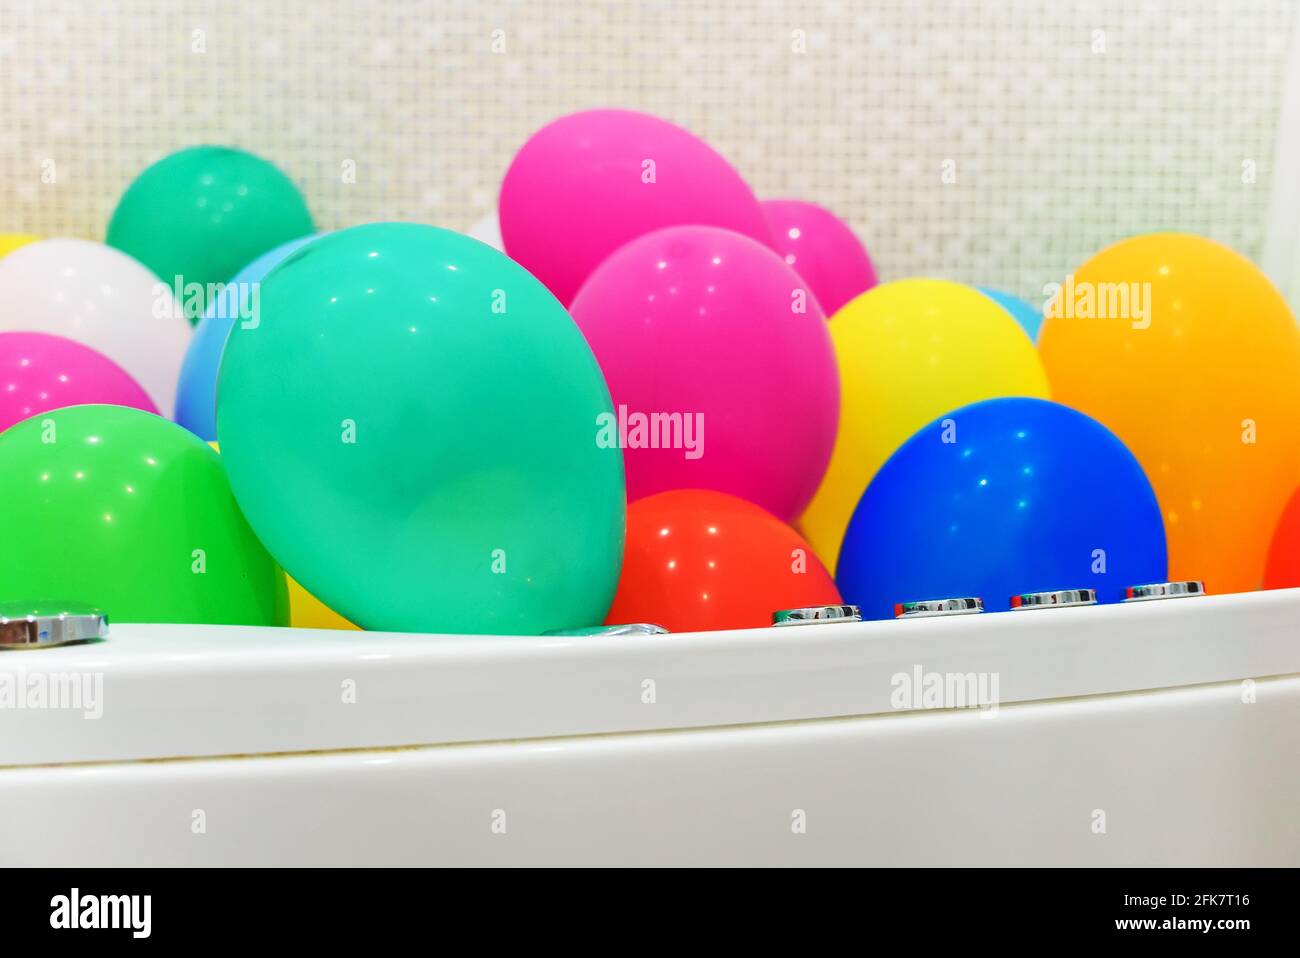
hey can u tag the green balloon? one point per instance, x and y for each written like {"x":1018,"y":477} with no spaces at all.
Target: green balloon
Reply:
{"x":198,"y":216}
{"x":412,"y":430}
{"x":125,"y":511}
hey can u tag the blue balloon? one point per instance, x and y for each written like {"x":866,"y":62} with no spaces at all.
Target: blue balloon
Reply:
{"x":1029,"y":317}
{"x":998,"y":498}
{"x":196,"y":390}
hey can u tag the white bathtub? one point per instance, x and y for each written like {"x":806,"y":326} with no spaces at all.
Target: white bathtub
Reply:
{"x":1158,"y":733}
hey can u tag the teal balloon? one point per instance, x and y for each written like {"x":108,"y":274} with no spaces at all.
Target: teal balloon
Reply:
{"x":1029,"y":317}
{"x":412,"y":430}
{"x":199,"y":215}
{"x":196,"y":388}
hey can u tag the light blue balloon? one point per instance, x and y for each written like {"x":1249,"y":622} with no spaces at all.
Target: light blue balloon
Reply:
{"x":196,"y":391}
{"x":1030,"y":318}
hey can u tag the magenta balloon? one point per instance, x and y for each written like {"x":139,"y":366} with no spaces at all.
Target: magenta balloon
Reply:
{"x":822,"y":249}
{"x":712,"y":333}
{"x":40,"y":372}
{"x":587,"y":183}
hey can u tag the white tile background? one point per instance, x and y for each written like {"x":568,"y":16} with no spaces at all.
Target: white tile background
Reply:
{"x":1058,"y":149}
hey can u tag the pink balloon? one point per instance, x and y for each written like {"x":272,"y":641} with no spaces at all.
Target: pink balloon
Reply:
{"x":710,"y":325}
{"x":40,"y":372}
{"x":822,"y":249}
{"x":587,"y":183}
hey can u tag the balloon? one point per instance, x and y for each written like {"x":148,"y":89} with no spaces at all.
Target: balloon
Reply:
{"x":200,"y":214}
{"x":1189,"y":354}
{"x":1029,"y":317}
{"x":1282,"y":567}
{"x":909,"y":351}
{"x":308,"y":612}
{"x":196,"y":389}
{"x":997,"y":498}
{"x":821,"y":248}
{"x":412,"y":431}
{"x":711,"y":327}
{"x":699,"y":560}
{"x":101,"y":298}
{"x":305,"y":610}
{"x":39,"y":372}
{"x":11,"y":241}
{"x":130,"y":513}
{"x":487,"y":229}
{"x":587,"y":183}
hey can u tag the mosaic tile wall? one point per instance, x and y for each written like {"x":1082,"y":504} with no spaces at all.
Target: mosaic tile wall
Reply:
{"x":1063,"y":126}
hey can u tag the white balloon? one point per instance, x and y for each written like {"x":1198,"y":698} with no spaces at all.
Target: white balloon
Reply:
{"x":488,"y":230}
{"x":102,"y":298}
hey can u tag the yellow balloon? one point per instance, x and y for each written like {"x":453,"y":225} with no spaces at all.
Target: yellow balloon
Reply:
{"x":908,"y":352}
{"x":1187,"y":352}
{"x":11,"y":241}
{"x":308,"y":612}
{"x":305,"y":610}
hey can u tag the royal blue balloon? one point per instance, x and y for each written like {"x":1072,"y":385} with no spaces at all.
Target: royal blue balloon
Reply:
{"x":1002,"y":497}
{"x":1029,"y":317}
{"x":196,"y":390}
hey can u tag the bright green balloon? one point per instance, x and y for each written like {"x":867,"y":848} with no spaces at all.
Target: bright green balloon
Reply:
{"x":412,"y":430}
{"x":127,"y":512}
{"x":200,"y":215}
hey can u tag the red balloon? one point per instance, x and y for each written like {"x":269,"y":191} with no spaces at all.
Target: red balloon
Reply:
{"x":698,"y":560}
{"x":1282,"y":569}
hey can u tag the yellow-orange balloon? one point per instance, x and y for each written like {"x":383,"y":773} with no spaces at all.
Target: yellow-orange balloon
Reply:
{"x":908,"y":352}
{"x":308,"y":612}
{"x":11,"y":241}
{"x":305,"y":610}
{"x":1187,"y":352}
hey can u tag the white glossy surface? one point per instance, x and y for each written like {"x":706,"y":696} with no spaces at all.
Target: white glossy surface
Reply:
{"x":192,"y":691}
{"x":1178,"y":720}
{"x":1184,"y":777}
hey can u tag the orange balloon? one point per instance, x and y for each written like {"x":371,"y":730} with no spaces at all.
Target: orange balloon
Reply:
{"x":1282,"y":570}
{"x":1187,"y":352}
{"x":697,"y":560}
